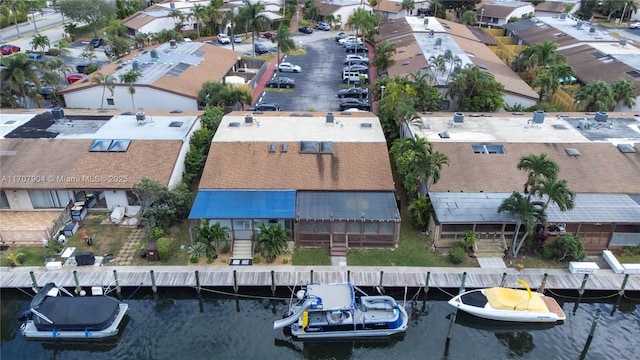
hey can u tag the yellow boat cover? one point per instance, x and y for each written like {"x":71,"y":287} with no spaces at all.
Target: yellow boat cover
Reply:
{"x":512,"y":299}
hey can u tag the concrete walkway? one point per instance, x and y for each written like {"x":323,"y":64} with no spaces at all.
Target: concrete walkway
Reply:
{"x":491,"y":263}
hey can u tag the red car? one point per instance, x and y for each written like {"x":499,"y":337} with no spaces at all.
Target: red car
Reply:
{"x":75,"y":77}
{"x":269,"y":35}
{"x":9,"y":49}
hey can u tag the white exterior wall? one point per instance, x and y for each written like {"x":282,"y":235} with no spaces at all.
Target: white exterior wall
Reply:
{"x":519,"y":13}
{"x":346,"y":11}
{"x":163,"y":23}
{"x":145,"y":98}
{"x":115,"y":198}
{"x":621,"y":108}
{"x":512,"y":99}
{"x":19,"y":200}
{"x":398,"y":15}
{"x":178,"y":170}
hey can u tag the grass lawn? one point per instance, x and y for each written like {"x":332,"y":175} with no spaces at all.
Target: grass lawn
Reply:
{"x":311,"y":257}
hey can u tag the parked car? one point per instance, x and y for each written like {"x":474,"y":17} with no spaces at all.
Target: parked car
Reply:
{"x":354,"y":77}
{"x":354,"y":103}
{"x":341,"y":36}
{"x":363,"y":69}
{"x":281,"y":82}
{"x":349,"y":38}
{"x":289,"y":67}
{"x":46,"y":92}
{"x":351,"y":41}
{"x":71,"y":78}
{"x":96,"y":42}
{"x":323,"y":26}
{"x":269,"y":35}
{"x":260,"y":49}
{"x":305,"y":30}
{"x":34,"y":55}
{"x":223,"y":39}
{"x":635,"y":25}
{"x":353,"y":92}
{"x":265,"y":107}
{"x":9,"y":49}
{"x":356,"y":48}
{"x":237,"y":39}
{"x":353,"y":59}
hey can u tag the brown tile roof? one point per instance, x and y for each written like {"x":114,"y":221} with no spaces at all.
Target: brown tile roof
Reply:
{"x":497,"y":10}
{"x":389,"y":6}
{"x":393,"y":29}
{"x":67,"y":164}
{"x":327,"y":9}
{"x":551,"y":6}
{"x":407,"y":59}
{"x":542,"y":33}
{"x":137,"y":20}
{"x":600,"y":168}
{"x":249,"y":165}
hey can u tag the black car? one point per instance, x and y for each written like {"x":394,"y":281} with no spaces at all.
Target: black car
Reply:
{"x":355,"y":48}
{"x":260,"y":49}
{"x":265,"y":107}
{"x":305,"y":30}
{"x":281,"y":82}
{"x":362,"y":69}
{"x":354,"y":103}
{"x":353,"y":92}
{"x":96,"y":42}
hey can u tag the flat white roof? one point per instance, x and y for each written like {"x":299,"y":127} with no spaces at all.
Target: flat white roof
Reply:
{"x":291,"y":127}
{"x":128,"y":127}
{"x":569,"y":26}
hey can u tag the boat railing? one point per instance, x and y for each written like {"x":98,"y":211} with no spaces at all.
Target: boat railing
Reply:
{"x":41,"y":316}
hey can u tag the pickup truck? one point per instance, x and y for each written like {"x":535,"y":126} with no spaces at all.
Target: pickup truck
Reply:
{"x":353,"y":77}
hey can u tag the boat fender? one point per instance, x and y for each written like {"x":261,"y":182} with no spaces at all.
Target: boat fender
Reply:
{"x":54,"y":333}
{"x":86,"y":333}
{"x":305,"y":319}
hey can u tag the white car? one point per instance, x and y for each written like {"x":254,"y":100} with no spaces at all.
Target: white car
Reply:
{"x":352,"y":59}
{"x":224,"y":39}
{"x":351,"y":39}
{"x":289,"y":67}
{"x":635,"y":25}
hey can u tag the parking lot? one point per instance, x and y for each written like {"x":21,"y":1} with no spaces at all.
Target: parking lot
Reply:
{"x":318,"y":83}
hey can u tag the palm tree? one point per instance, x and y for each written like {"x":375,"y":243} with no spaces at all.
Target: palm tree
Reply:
{"x":384,"y":52}
{"x":19,"y":77}
{"x":178,"y":18}
{"x":437,"y":64}
{"x":231,"y":17}
{"x":52,"y":79}
{"x":541,"y":54}
{"x":89,"y":54}
{"x":107,"y":82}
{"x":284,"y":40}
{"x":420,"y":208}
{"x":17,"y":7}
{"x":57,"y":64}
{"x":526,"y":214}
{"x":596,"y":96}
{"x":63,"y":47}
{"x":537,"y":167}
{"x":556,"y":191}
{"x":624,"y":91}
{"x":409,"y":6}
{"x":271,"y":241}
{"x":130,"y":77}
{"x":40,"y":42}
{"x":469,"y":17}
{"x":251,"y":14}
{"x":363,"y":21}
{"x":199,"y":13}
{"x":33,"y":6}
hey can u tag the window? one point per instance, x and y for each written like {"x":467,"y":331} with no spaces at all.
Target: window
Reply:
{"x":488,"y":149}
{"x":132,"y":199}
{"x":110,"y":101}
{"x":4,"y":202}
{"x":46,"y":199}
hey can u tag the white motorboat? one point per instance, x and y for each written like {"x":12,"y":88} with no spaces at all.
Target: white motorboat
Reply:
{"x":506,"y":304}
{"x":55,"y":313}
{"x":334,"y":311}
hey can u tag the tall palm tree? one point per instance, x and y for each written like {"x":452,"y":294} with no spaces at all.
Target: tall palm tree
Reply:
{"x":231,"y":17}
{"x":16,"y":7}
{"x":271,"y":241}
{"x":199,"y":13}
{"x":52,"y":79}
{"x":384,"y":52}
{"x":129,"y":78}
{"x":57,"y":64}
{"x":39,"y":41}
{"x":363,"y":21}
{"x":541,"y":54}
{"x":19,"y":77}
{"x":556,"y":191}
{"x":284,"y":40}
{"x":526,"y":213}
{"x":409,"y":6}
{"x":537,"y":167}
{"x":178,"y":18}
{"x":107,"y":82}
{"x":624,"y":91}
{"x":596,"y":96}
{"x":250,"y":13}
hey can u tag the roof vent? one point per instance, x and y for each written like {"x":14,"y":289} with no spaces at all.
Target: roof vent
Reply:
{"x":175,"y":124}
{"x":563,"y":16}
{"x":438,"y":42}
{"x":538,"y":117}
{"x":458,"y":118}
{"x":572,"y":151}
{"x":284,"y":147}
{"x":135,"y":65}
{"x":623,"y":42}
{"x":140,"y":116}
{"x":365,"y":125}
{"x":248,"y":119}
{"x":172,"y":43}
{"x":431,"y":33}
{"x":592,"y":30}
{"x":601,"y":116}
{"x":626,"y":148}
{"x":579,"y":25}
{"x":447,"y":53}
{"x":329,"y":119}
{"x":57,"y":113}
{"x":272,"y":148}
{"x":154,"y":55}
{"x":426,"y":21}
{"x":234,"y":124}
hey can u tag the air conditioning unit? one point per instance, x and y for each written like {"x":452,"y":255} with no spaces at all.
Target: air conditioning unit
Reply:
{"x":248,"y":119}
{"x":140,"y":116}
{"x":329,"y":118}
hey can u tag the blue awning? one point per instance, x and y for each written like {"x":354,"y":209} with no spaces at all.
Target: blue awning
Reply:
{"x":244,"y":204}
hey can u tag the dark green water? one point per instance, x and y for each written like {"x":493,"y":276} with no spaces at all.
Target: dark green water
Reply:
{"x":177,"y":325}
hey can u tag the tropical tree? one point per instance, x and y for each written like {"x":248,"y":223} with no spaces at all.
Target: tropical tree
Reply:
{"x":18,"y":10}
{"x":51,"y":79}
{"x":57,"y":64}
{"x":596,"y":96}
{"x":126,"y":8}
{"x":624,"y":92}
{"x":223,"y":95}
{"x":212,"y":236}
{"x":92,"y":12}
{"x":469,"y":17}
{"x":409,"y":6}
{"x":34,"y":6}
{"x":555,"y":191}
{"x":63,"y":47}
{"x":231,"y":17}
{"x":363,"y":21}
{"x":384,"y":52}
{"x":537,"y":167}
{"x":526,"y":213}
{"x":428,"y":98}
{"x":420,"y":209}
{"x":199,"y":13}
{"x":283,"y":39}
{"x":475,"y":90}
{"x":89,"y":54}
{"x":129,"y":78}
{"x":251,"y":14}
{"x":107,"y":82}
{"x":178,"y":18}
{"x":417,"y":163}
{"x":271,"y":240}
{"x":310,"y":11}
{"x":396,"y":107}
{"x":39,"y":41}
{"x":19,"y":77}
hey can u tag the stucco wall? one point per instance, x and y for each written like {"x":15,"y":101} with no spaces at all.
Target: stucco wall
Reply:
{"x":145,"y":98}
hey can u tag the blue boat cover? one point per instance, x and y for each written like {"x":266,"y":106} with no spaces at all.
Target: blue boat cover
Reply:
{"x":244,"y":204}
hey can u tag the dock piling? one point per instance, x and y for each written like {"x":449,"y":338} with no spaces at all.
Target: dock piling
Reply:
{"x":426,"y":284}
{"x":380,"y":287}
{"x":75,"y":278}
{"x":504,"y":279}
{"x":273,"y":283}
{"x":311,"y":276}
{"x":464,"y":278}
{"x":34,"y":283}
{"x":235,"y":281}
{"x":153,"y":283}
{"x":118,"y":289}
{"x":543,"y":284}
{"x":348,"y":275}
{"x":596,"y":317}
{"x":198,"y":288}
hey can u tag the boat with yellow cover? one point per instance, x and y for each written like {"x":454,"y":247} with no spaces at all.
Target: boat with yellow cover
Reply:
{"x":506,"y":304}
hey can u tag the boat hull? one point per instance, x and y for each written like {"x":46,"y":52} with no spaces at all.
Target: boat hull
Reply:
{"x":30,"y":331}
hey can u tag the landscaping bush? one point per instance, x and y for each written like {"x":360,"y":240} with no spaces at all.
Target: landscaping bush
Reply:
{"x":631,"y":250}
{"x":567,"y":247}
{"x":53,"y":52}
{"x":457,"y":255}
{"x":93,"y":67}
{"x":165,"y":247}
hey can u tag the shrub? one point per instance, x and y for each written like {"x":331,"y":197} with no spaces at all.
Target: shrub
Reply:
{"x":93,"y":67}
{"x":197,"y":250}
{"x":165,"y":247}
{"x":206,"y":31}
{"x":193,"y":260}
{"x":568,"y":247}
{"x":631,"y":250}
{"x":256,"y":260}
{"x":53,"y":52}
{"x":457,"y":255}
{"x":156,"y":233}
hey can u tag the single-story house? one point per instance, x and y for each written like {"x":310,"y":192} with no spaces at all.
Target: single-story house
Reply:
{"x":148,"y":22}
{"x":498,"y":13}
{"x":341,"y":10}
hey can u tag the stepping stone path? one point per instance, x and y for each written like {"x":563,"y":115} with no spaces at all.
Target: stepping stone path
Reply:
{"x":130,"y":248}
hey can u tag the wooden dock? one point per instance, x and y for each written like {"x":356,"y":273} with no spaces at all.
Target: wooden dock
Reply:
{"x":261,"y":276}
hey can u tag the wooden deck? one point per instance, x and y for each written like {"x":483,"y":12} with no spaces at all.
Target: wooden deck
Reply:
{"x":251,"y":276}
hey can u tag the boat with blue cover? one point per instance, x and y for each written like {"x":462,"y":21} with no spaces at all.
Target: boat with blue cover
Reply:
{"x":336,"y":311}
{"x":54,"y":313}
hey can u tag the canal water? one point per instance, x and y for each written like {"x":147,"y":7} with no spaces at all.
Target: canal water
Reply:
{"x":177,"y":324}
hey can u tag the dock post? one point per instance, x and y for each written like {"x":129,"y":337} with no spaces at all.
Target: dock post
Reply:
{"x":620,"y":294}
{"x":311,"y":276}
{"x":504,"y":279}
{"x":273,"y":283}
{"x":235,"y":281}
{"x":591,"y":332}
{"x":34,"y":283}
{"x":543,"y":285}
{"x":118,"y":289}
{"x":153,"y":282}
{"x":464,"y":277}
{"x":584,"y":284}
{"x":426,"y":285}
{"x":198,"y":282}
{"x":75,"y":278}
{"x":348,"y":275}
